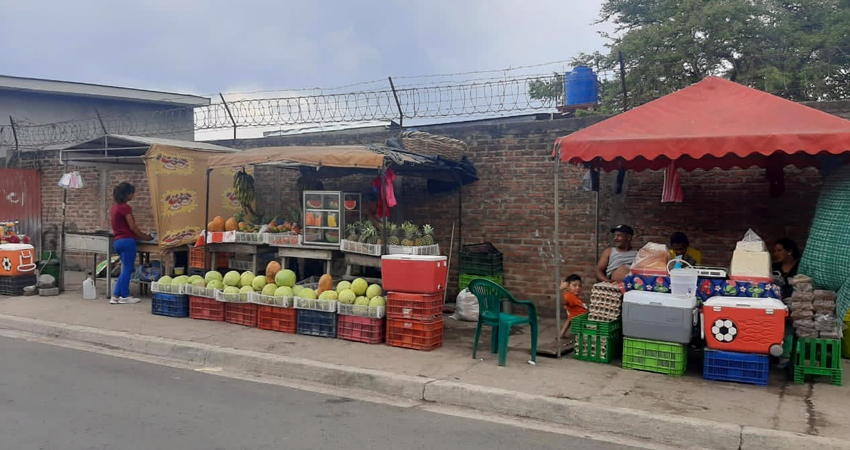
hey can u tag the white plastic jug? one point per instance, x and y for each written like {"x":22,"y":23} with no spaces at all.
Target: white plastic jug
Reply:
{"x":683,"y":282}
{"x":89,"y":289}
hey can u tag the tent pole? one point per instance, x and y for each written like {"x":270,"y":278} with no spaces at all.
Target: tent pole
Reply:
{"x":596,"y":220}
{"x":206,"y":222}
{"x":556,"y":258}
{"x":62,"y":235}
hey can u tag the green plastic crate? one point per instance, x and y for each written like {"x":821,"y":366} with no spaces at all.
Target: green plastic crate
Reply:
{"x":597,"y":341}
{"x":818,"y":357}
{"x":466,"y":278}
{"x":655,"y":356}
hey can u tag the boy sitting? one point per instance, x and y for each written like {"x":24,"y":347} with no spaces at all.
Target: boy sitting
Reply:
{"x":571,"y":287}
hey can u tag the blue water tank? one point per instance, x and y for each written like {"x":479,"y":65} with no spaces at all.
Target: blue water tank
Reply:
{"x":581,"y":87}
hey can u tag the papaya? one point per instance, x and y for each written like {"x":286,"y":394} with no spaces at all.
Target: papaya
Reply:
{"x":231,"y":225}
{"x":271,"y":270}
{"x":217,"y":225}
{"x":326,"y":283}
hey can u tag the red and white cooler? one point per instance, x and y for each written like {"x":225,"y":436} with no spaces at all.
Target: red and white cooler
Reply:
{"x":416,"y":274}
{"x":745,"y":325}
{"x":16,"y":260}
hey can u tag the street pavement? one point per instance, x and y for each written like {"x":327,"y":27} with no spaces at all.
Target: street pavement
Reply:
{"x":60,"y":398}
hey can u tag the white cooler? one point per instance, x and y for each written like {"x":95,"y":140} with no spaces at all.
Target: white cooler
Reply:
{"x":659,"y":317}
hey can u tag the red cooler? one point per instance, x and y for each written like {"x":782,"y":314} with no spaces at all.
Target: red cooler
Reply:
{"x":414,"y":274}
{"x":744,"y":325}
{"x":16,"y":260}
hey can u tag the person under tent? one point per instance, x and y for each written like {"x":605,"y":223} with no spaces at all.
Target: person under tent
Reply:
{"x":615,"y":262}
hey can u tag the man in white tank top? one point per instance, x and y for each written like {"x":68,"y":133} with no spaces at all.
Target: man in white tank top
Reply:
{"x":615,"y":262}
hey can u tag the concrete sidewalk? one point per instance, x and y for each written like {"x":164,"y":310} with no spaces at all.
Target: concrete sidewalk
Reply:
{"x":555,"y":390}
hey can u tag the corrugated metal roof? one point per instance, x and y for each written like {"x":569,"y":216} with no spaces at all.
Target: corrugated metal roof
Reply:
{"x":118,"y":140}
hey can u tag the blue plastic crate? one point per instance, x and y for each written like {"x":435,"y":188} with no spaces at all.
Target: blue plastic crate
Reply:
{"x":738,"y":367}
{"x":170,"y":305}
{"x":316,"y":323}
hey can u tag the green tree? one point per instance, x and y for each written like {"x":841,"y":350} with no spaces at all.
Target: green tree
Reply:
{"x":549,"y":90}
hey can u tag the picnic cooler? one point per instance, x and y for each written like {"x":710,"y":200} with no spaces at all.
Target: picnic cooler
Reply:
{"x":414,"y":274}
{"x":659,"y":317}
{"x":754,"y":325}
{"x":16,"y":260}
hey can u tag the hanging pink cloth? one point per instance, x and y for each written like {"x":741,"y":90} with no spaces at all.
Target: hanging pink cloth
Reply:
{"x":388,"y":192}
{"x":672,"y":191}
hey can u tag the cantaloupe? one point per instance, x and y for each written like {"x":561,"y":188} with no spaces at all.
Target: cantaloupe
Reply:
{"x":271,"y":270}
{"x":326,"y":283}
{"x":231,"y":225}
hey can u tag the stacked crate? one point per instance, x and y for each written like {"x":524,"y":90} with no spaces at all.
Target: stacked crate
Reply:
{"x":415,"y":287}
{"x":480,"y":261}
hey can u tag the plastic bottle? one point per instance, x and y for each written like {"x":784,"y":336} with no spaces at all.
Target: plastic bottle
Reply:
{"x":89,"y":290}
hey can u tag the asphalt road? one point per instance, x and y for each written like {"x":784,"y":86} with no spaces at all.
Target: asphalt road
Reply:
{"x":58,"y":398}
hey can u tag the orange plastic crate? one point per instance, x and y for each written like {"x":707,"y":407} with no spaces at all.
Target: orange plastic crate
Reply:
{"x":241,"y":314}
{"x":416,"y":335}
{"x":206,"y":309}
{"x":277,"y":319}
{"x":196,"y":259}
{"x":401,"y":305}
{"x":361,"y":329}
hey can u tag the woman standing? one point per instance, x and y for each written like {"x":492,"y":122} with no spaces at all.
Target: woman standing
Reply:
{"x":125,"y":232}
{"x":786,"y":259}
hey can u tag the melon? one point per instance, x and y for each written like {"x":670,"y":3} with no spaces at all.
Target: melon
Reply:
{"x":243,"y":293}
{"x":350,"y":204}
{"x":315,"y":203}
{"x":307,"y":293}
{"x":195,"y":278}
{"x":271,"y":271}
{"x":232,"y":278}
{"x":296,"y":289}
{"x":212,"y":275}
{"x":328,"y":295}
{"x":181,"y":280}
{"x":283,"y":291}
{"x":246,"y":279}
{"x":347,"y":296}
{"x":269,"y":289}
{"x":231,"y":290}
{"x":359,"y":286}
{"x":165,"y":281}
{"x":361,"y":306}
{"x":360,"y":299}
{"x":374,"y":291}
{"x":343,"y":285}
{"x":198,"y":283}
{"x":231,"y":225}
{"x":285,"y":278}
{"x":378,"y":301}
{"x":259,"y":283}
{"x":215,"y":284}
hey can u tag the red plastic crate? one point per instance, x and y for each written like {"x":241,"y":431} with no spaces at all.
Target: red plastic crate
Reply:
{"x":276,"y":318}
{"x":416,"y":335}
{"x":361,"y":329}
{"x":206,"y":309}
{"x":402,"y":305}
{"x":197,"y":261}
{"x":241,"y":314}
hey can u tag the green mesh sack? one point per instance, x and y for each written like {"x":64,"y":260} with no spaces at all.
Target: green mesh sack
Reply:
{"x":827,"y":255}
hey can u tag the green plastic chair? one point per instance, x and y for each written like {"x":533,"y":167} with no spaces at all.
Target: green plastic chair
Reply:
{"x":490,"y":296}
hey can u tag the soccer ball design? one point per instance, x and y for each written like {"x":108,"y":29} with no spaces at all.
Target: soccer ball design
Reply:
{"x":7,"y":264}
{"x":724,"y":330}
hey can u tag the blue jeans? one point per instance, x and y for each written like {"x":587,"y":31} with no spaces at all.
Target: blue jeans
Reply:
{"x":126,"y":249}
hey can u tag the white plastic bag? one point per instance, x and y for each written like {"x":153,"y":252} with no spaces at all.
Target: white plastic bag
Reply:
{"x":467,"y":307}
{"x":751,"y":243}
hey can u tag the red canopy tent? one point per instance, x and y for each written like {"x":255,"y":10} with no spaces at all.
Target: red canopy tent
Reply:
{"x":715,"y":123}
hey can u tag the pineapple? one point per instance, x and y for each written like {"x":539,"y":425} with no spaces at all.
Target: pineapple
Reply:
{"x":409,"y":231}
{"x":367,"y":232}
{"x":352,"y":232}
{"x":428,"y":238}
{"x":392,"y":234}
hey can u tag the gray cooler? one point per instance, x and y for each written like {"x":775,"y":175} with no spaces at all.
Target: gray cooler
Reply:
{"x":659,"y":317}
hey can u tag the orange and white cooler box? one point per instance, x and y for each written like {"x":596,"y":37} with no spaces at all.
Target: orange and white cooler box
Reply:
{"x":16,"y":260}
{"x":744,"y":325}
{"x":414,"y":274}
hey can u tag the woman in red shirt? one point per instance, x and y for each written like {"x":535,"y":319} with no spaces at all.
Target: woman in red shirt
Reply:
{"x":125,"y":234}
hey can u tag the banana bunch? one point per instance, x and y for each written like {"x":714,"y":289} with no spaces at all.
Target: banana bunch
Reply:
{"x":243,"y":188}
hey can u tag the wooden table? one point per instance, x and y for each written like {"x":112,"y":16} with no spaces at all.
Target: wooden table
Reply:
{"x":355,"y":259}
{"x":88,"y":244}
{"x":242,"y":249}
{"x":301,"y":253}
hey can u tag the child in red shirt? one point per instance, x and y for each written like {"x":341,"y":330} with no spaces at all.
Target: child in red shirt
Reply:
{"x":571,"y":287}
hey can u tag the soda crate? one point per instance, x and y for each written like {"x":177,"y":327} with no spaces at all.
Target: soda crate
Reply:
{"x":466,"y":278}
{"x":198,"y":291}
{"x":421,"y":250}
{"x":316,"y":323}
{"x":203,"y":308}
{"x":231,"y":298}
{"x":277,"y":319}
{"x":416,"y":335}
{"x":655,"y":356}
{"x":597,"y":341}
{"x":241,"y":314}
{"x":361,"y":329}
{"x":170,"y":305}
{"x":197,"y":261}
{"x":370,"y":312}
{"x":284,"y":240}
{"x":746,"y":368}
{"x":270,"y":300}
{"x":166,"y":288}
{"x":360,"y":247}
{"x":14,"y":286}
{"x":817,"y":357}
{"x":315,"y":305}
{"x":238,"y":237}
{"x":401,"y":305}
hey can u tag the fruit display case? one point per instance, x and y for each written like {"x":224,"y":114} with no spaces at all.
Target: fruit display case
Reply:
{"x":326,"y":214}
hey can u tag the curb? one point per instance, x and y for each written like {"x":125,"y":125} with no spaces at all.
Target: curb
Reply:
{"x":634,"y":424}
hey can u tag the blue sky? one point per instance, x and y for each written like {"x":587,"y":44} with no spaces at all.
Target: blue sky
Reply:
{"x":205,"y":47}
